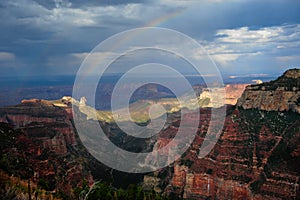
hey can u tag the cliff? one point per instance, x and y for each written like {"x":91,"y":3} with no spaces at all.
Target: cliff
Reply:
{"x":282,"y":94}
{"x":232,"y":93}
{"x":38,"y":141}
{"x":256,"y":157}
{"x":258,"y":152}
{"x":39,"y":117}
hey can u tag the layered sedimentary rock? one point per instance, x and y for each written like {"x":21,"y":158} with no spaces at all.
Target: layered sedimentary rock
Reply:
{"x":44,"y":121}
{"x":44,"y":146}
{"x":283,"y":94}
{"x":230,"y":93}
{"x":48,"y":145}
{"x":257,"y":154}
{"x":255,"y":158}
{"x":233,"y":92}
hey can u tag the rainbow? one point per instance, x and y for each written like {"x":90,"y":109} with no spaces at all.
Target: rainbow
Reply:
{"x":154,"y":23}
{"x":162,"y":19}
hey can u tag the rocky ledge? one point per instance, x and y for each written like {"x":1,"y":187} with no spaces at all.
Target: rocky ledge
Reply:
{"x":282,"y":94}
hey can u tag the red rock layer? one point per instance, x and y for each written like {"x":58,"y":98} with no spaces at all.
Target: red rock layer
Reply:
{"x":242,"y":164}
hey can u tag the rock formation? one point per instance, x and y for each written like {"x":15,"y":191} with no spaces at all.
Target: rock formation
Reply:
{"x":232,"y":93}
{"x":44,"y":146}
{"x":282,"y":94}
{"x":257,"y":155}
{"x":255,"y":158}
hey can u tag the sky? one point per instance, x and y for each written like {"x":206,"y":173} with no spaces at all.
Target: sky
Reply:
{"x":243,"y":37}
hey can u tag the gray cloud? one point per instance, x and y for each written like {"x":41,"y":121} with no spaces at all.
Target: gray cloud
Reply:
{"x":50,"y":4}
{"x":42,"y":34}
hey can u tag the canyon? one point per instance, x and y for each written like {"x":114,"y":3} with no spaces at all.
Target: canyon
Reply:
{"x":257,"y":155}
{"x":251,"y":160}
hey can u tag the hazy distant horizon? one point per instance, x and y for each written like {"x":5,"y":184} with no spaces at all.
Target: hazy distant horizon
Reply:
{"x":7,"y":82}
{"x":15,"y":89}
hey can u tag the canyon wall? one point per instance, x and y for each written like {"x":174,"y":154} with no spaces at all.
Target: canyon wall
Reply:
{"x":257,"y":155}
{"x":282,"y":94}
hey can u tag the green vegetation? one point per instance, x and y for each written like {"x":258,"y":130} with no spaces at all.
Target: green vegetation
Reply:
{"x":209,"y":171}
{"x":15,"y":188}
{"x":103,"y":191}
{"x":43,"y":184}
{"x":204,"y":102}
{"x":256,"y":185}
{"x":284,"y":81}
{"x":186,"y":162}
{"x":277,"y":122}
{"x":270,"y":124}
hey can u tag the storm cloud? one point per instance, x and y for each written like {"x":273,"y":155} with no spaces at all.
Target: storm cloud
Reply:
{"x":40,"y":37}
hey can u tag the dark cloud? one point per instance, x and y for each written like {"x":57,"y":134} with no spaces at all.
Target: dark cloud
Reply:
{"x":50,"y":4}
{"x":42,"y":37}
{"x":204,"y":20}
